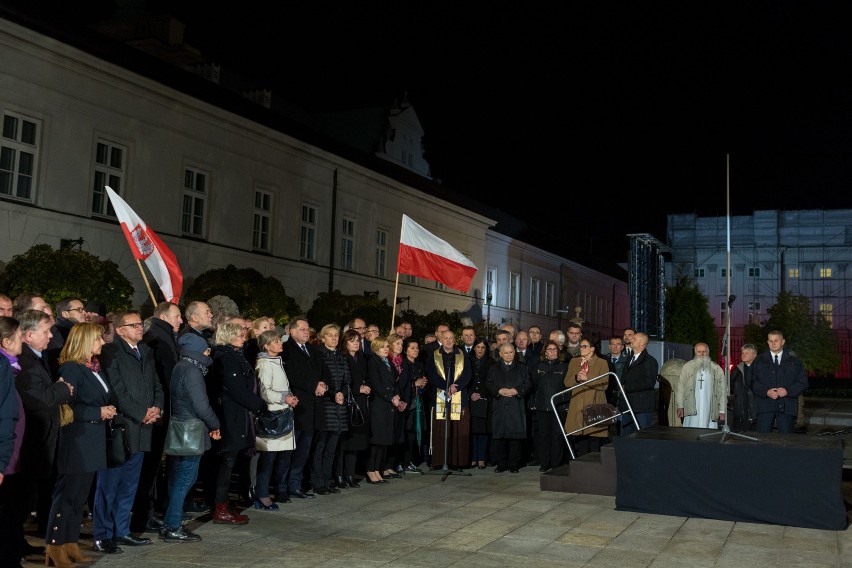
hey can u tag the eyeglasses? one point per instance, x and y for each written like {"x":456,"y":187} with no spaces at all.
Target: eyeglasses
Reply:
{"x":551,"y":349}
{"x":585,"y":346}
{"x":76,"y":310}
{"x":137,"y":324}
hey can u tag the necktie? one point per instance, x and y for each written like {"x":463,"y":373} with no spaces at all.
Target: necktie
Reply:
{"x":305,"y":350}
{"x":776,"y":359}
{"x":137,"y":354}
{"x":614,"y":360}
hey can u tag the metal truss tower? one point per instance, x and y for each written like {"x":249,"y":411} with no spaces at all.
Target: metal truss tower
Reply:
{"x":646,"y":284}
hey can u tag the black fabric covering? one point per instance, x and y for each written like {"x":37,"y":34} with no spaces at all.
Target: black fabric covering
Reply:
{"x":789,"y":480}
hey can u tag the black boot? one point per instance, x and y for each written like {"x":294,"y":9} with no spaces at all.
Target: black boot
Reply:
{"x":341,"y":483}
{"x":350,"y":481}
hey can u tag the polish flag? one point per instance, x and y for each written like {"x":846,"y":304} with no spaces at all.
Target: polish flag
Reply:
{"x":424,"y":255}
{"x":146,"y":245}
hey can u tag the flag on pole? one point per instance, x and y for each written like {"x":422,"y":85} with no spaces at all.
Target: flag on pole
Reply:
{"x":424,"y":255}
{"x":146,"y":245}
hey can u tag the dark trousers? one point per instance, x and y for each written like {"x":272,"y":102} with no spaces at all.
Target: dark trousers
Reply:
{"x":14,"y":507}
{"x":377,"y":458}
{"x":151,"y":491}
{"x":272,"y":469}
{"x":44,"y":498}
{"x":225,"y":466}
{"x":784,"y":422}
{"x":507,"y":453}
{"x":299,"y":460}
{"x":344,"y":463}
{"x":114,"y":495}
{"x":479,"y":447}
{"x":324,"y":451}
{"x":550,"y":440}
{"x":66,"y":511}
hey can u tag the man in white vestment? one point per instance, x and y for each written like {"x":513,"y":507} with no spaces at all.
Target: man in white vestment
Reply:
{"x":700,"y":397}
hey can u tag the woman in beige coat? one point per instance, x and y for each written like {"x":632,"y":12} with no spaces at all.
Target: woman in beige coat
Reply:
{"x":275,"y":453}
{"x":581,"y":369}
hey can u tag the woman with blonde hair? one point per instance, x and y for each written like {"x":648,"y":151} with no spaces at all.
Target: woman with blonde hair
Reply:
{"x":385,"y":404}
{"x":331,"y":411}
{"x":259,"y":325}
{"x":82,"y":443}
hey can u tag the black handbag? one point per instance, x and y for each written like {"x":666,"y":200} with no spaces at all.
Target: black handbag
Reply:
{"x":185,"y":437}
{"x":117,"y":444}
{"x":602,"y":413}
{"x":274,"y":423}
{"x":356,"y":417}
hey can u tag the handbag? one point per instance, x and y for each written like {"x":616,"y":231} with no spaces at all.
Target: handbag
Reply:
{"x":274,"y":423}
{"x":66,"y":415}
{"x":599,"y":414}
{"x":356,"y":417}
{"x":117,"y":444}
{"x":185,"y":437}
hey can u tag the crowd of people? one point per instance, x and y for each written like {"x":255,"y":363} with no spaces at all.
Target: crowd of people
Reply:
{"x":367,"y":408}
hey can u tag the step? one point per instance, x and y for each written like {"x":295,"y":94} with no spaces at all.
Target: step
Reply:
{"x":593,"y":473}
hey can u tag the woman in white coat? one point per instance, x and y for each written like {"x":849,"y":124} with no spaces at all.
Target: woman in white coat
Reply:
{"x":275,"y":453}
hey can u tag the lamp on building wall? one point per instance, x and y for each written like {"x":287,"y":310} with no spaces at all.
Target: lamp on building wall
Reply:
{"x":565,"y":310}
{"x":65,"y":244}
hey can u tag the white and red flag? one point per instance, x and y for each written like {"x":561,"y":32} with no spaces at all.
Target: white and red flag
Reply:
{"x":146,"y":245}
{"x":424,"y":255}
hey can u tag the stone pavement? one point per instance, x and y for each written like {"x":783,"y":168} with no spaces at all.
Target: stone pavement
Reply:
{"x":489,"y":520}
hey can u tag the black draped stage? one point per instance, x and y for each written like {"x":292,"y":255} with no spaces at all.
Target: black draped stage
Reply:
{"x":781,"y":479}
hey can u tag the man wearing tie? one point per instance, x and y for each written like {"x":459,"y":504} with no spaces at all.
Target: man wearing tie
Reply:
{"x":617,"y":361}
{"x":778,"y":379}
{"x":468,"y":339}
{"x":640,"y":376}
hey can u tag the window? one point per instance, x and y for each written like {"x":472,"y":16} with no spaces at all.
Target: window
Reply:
{"x":18,"y":156}
{"x":754,"y":307}
{"x":514,"y":291}
{"x":409,"y":279}
{"x":723,"y":272}
{"x":262,"y":220}
{"x":826,"y":310}
{"x":825,"y":272}
{"x":793,"y":273}
{"x":109,"y":170}
{"x":723,"y":311}
{"x":549,"y":299}
{"x":754,"y":272}
{"x":308,"y":234}
{"x":381,"y":252}
{"x":535,"y":290}
{"x":194,"y":202}
{"x":347,"y":244}
{"x":699,"y":273}
{"x":491,"y":284}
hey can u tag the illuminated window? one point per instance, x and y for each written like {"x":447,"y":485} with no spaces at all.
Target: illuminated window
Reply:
{"x":793,"y":273}
{"x":827,"y":312}
{"x":825,"y":272}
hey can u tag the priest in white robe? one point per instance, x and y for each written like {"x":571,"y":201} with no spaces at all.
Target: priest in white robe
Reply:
{"x":700,"y":398}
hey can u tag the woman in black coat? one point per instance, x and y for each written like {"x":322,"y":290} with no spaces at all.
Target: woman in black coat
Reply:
{"x":548,"y":379}
{"x":508,"y":382}
{"x":480,"y":403}
{"x":357,"y":439}
{"x":238,"y":400}
{"x":412,"y":381}
{"x":82,"y":443}
{"x":386,"y":402}
{"x":331,"y":418}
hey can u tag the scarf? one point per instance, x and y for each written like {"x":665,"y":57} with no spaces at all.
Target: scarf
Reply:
{"x":200,"y":366}
{"x":397,"y":363}
{"x":13,"y":361}
{"x":93,"y":365}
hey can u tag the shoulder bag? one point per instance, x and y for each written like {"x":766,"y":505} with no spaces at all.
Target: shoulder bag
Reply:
{"x":185,"y":437}
{"x":599,"y":414}
{"x":274,"y":423}
{"x":117,"y":444}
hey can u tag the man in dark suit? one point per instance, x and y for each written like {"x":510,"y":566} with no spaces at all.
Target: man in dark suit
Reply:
{"x":638,"y":382}
{"x":41,"y":398}
{"x":778,"y":379}
{"x":308,"y":380}
{"x":138,"y":396}
{"x":617,"y":361}
{"x":199,"y":320}
{"x":744,"y":404}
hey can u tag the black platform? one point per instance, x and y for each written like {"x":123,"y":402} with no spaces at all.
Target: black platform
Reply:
{"x":782,"y":479}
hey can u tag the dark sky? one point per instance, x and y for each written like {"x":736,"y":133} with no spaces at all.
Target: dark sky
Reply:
{"x":604,"y":115}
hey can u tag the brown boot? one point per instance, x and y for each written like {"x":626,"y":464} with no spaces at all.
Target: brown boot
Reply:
{"x":223,"y":516}
{"x":55,"y":554}
{"x":72,"y":549}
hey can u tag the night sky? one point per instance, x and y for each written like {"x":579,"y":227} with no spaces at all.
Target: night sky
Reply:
{"x":591,"y":119}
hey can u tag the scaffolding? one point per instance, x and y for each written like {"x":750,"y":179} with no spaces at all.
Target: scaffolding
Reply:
{"x":647,"y":284}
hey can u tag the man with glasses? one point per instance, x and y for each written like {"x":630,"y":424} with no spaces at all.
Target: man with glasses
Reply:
{"x":359,"y":325}
{"x":138,"y":396}
{"x":69,"y":311}
{"x":575,"y":334}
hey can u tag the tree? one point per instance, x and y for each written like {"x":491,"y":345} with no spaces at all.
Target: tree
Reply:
{"x":255,"y":294}
{"x":57,"y":274}
{"x":807,"y":335}
{"x":688,"y":318}
{"x":339,"y":308}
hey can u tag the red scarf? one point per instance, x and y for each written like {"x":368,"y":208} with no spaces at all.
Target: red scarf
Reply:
{"x":93,"y":365}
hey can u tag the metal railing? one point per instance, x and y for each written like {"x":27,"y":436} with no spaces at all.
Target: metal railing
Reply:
{"x":605,"y":420}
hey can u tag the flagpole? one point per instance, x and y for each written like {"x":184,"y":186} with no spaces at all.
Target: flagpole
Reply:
{"x":147,"y":285}
{"x":393,"y":313}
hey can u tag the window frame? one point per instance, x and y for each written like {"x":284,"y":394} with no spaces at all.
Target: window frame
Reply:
{"x":19,"y":148}
{"x":198,"y":197}
{"x":260,"y":214}
{"x":107,"y":174}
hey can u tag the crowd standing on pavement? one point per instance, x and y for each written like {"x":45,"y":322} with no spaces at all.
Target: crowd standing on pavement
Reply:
{"x":367,"y":408}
